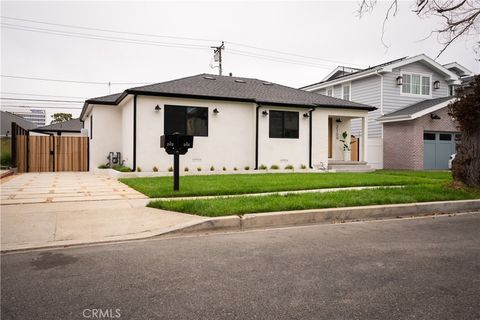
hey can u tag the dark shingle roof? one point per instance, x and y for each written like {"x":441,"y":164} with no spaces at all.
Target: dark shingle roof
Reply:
{"x":417,"y":107}
{"x":74,"y":125}
{"x":243,"y":89}
{"x":214,"y":87}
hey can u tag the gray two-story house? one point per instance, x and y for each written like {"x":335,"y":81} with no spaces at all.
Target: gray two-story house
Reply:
{"x":411,"y":128}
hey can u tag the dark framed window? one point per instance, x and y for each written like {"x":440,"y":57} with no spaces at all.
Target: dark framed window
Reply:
{"x":445,"y":137}
{"x":283,"y":124}
{"x":186,"y":120}
{"x":428,"y":136}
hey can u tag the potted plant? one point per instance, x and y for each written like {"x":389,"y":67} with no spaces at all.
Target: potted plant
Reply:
{"x":346,"y":147}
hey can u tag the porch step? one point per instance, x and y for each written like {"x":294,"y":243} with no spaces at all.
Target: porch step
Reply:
{"x":349,"y":166}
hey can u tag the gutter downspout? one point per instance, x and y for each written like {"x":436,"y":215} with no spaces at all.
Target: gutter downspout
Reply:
{"x":310,"y":125}
{"x":381,"y":97}
{"x":134,"y":133}
{"x":256,"y":135}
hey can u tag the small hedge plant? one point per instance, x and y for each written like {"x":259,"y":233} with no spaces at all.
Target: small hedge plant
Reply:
{"x":121,"y":168}
{"x":262,"y":167}
{"x":274,"y":167}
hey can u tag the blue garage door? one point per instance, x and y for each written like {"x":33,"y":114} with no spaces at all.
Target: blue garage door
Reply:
{"x":438,"y":146}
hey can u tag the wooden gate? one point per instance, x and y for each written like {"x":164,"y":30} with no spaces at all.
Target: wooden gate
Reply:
{"x":49,"y":153}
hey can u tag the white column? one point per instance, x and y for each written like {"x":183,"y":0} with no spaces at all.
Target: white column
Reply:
{"x":364,"y":137}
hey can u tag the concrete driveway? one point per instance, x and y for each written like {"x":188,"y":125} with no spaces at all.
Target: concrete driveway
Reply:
{"x":68,"y":208}
{"x":49,"y":187}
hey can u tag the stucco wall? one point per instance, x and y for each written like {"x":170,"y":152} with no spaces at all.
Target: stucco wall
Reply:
{"x":230,"y":141}
{"x":403,"y":141}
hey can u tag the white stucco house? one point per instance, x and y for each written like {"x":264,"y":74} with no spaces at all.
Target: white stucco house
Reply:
{"x":236,"y":122}
{"x":410,"y":128}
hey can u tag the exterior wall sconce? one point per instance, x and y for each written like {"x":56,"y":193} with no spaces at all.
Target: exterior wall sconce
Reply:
{"x":216,"y":111}
{"x":305,"y":115}
{"x":436,"y":85}
{"x":157,"y":108}
{"x":265,"y":113}
{"x":434,"y":116}
{"x":399,"y":80}
{"x":338,"y":121}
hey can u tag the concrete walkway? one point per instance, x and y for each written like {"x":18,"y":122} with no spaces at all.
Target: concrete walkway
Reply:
{"x":61,"y":209}
{"x":49,"y":187}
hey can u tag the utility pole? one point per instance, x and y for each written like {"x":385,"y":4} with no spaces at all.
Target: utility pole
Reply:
{"x":218,"y":56}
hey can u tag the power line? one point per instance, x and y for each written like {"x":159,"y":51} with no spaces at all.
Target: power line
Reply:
{"x":101,"y":37}
{"x":39,"y":95}
{"x":72,"y":81}
{"x":173,"y":37}
{"x":112,"y":31}
{"x":41,"y":100}
{"x":40,"y":107}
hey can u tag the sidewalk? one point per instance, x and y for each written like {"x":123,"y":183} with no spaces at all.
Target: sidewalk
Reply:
{"x":42,"y":225}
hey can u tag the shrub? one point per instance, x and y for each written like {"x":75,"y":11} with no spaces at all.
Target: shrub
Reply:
{"x":170,"y":169}
{"x":247,"y":168}
{"x":212,"y":168}
{"x":121,"y":168}
{"x":289,"y":167}
{"x":263,"y":167}
{"x":155,"y":169}
{"x":199,"y":169}
{"x":302,"y":166}
{"x":139,"y":169}
{"x":224,"y":169}
{"x":274,"y":167}
{"x":235,"y":169}
{"x":103,"y":166}
{"x":186,"y":169}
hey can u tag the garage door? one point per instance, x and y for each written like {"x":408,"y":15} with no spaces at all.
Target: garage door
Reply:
{"x":438,"y":146}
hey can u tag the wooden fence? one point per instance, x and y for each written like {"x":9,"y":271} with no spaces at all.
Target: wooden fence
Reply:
{"x":50,"y":153}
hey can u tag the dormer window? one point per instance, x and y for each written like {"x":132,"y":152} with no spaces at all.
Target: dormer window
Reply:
{"x":416,"y":84}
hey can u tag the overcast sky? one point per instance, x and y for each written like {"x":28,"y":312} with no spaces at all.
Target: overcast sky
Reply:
{"x":330,"y":32}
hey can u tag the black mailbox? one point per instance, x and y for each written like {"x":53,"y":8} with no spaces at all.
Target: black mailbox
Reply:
{"x":176,"y":144}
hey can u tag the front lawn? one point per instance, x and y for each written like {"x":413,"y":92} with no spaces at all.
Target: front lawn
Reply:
{"x":241,"y":205}
{"x":212,"y":185}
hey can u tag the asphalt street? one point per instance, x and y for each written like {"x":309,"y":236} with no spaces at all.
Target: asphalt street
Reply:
{"x":426,"y":268}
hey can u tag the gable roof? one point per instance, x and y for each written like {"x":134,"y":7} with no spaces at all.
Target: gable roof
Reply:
{"x":215,"y":87}
{"x":74,"y":125}
{"x":417,"y":110}
{"x":385,"y":68}
{"x":458,"y":69}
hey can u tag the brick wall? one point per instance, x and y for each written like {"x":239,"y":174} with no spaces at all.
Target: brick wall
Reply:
{"x":403,"y":140}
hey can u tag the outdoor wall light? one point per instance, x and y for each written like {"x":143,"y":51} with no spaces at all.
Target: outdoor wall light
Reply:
{"x":434,"y":116}
{"x":436,"y":85}
{"x":216,"y":111}
{"x":157,"y":108}
{"x":305,"y":115}
{"x":338,"y":120}
{"x":399,"y":80}
{"x":265,"y":112}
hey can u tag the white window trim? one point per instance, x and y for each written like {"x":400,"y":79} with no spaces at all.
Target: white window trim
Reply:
{"x":333,"y":91}
{"x":348,"y":84}
{"x":421,"y":75}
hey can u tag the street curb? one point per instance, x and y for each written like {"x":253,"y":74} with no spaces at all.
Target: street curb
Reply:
{"x":331,"y":215}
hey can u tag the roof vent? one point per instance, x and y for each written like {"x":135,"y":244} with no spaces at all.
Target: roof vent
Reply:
{"x":209,"y":78}
{"x":240,"y":81}
{"x":268,"y":84}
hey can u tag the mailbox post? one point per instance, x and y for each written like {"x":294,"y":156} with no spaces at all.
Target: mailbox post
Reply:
{"x":176,"y":144}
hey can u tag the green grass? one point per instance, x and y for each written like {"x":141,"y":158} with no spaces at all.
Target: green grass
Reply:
{"x":121,"y":168}
{"x":212,"y":185}
{"x":241,"y":205}
{"x":5,"y":152}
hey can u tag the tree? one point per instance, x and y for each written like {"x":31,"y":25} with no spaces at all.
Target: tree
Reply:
{"x":461,"y":18}
{"x":466,"y":111}
{"x":61,"y":117}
